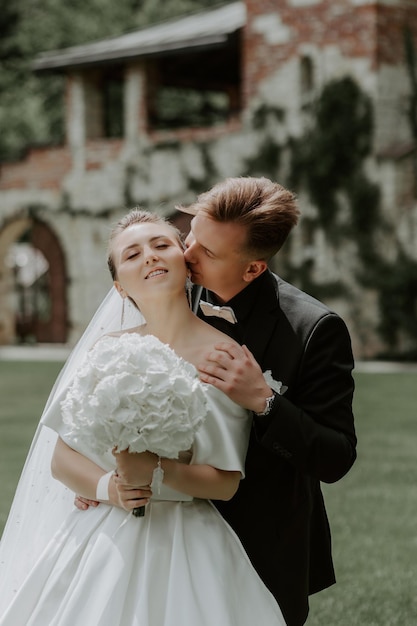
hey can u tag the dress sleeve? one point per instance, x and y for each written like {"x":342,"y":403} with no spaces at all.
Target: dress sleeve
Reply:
{"x":222,"y":441}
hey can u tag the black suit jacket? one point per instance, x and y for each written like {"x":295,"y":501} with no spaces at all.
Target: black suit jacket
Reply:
{"x":278,"y":511}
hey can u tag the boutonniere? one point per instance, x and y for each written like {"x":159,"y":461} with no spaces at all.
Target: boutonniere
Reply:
{"x":276,"y":385}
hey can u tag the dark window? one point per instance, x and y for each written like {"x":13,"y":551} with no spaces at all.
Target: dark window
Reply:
{"x":307,"y":75}
{"x":198,"y":88}
{"x":113,"y":99}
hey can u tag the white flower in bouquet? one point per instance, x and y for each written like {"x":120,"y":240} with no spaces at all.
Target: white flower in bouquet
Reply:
{"x":136,"y":393}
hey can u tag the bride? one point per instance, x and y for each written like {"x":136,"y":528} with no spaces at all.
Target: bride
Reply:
{"x":178,"y":565}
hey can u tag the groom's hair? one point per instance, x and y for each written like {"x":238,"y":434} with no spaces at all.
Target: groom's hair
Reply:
{"x":135,"y":216}
{"x":266,"y":209}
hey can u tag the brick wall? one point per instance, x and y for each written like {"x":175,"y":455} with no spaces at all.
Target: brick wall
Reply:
{"x":43,"y":168}
{"x":276,"y":29}
{"x":391,"y":21}
{"x":100,"y":151}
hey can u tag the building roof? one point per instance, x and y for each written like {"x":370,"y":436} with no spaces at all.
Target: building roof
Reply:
{"x":201,"y":30}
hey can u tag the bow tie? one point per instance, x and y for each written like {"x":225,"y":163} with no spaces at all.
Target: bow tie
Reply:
{"x":225,"y":312}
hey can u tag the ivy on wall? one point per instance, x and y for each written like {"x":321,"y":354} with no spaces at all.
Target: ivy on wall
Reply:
{"x":329,"y":161}
{"x":267,"y":160}
{"x":329,"y":157}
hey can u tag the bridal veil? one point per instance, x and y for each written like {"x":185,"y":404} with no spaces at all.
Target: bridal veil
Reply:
{"x":41,"y":503}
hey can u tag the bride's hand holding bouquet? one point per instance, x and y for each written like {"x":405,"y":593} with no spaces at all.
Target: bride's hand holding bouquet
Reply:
{"x":135,"y":469}
{"x":133,"y":478}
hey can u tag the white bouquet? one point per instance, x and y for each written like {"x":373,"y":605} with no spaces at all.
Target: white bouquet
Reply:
{"x":134,"y":392}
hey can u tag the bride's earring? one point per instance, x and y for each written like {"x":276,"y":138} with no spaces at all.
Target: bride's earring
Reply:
{"x":189,"y":288}
{"x":122,"y":318}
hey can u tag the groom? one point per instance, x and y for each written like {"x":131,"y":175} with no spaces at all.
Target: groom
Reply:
{"x":301,"y":437}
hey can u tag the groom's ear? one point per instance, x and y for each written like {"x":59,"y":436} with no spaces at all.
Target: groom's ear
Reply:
{"x":254,"y":269}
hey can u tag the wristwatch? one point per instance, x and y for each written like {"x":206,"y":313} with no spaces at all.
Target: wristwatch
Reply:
{"x":268,"y":405}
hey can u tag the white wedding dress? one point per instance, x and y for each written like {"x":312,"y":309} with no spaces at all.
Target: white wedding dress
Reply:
{"x":180,"y":565}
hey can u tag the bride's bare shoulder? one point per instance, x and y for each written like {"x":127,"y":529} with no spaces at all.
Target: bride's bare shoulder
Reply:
{"x":202,"y":342}
{"x":211,"y":336}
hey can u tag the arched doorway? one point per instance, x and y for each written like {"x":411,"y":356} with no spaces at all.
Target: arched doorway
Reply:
{"x":33,"y":306}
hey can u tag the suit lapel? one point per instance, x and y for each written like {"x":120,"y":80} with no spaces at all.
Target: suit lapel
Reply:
{"x":264,"y":317}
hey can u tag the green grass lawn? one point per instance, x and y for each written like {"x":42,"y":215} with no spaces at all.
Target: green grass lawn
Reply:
{"x":372,"y":511}
{"x":24,"y":388}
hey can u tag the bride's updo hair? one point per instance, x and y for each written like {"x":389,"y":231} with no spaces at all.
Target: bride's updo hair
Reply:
{"x":136,"y":216}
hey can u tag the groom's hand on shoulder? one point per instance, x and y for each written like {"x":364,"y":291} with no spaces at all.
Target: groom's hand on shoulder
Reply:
{"x":234,"y":370}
